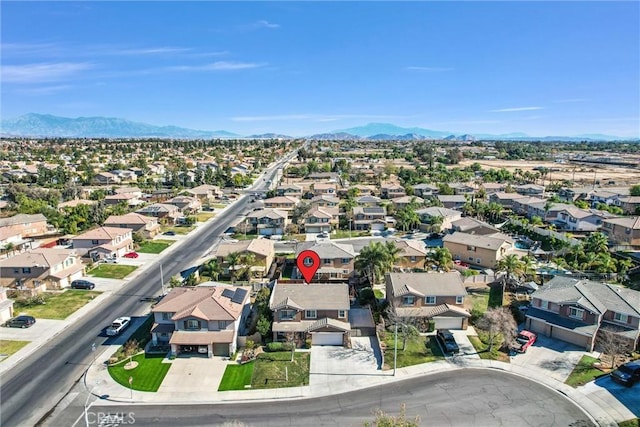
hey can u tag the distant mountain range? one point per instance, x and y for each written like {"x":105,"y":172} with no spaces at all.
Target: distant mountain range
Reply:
{"x":46,"y":125}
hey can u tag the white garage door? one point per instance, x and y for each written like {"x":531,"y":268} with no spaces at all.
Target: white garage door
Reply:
{"x":326,"y":338}
{"x":448,"y":322}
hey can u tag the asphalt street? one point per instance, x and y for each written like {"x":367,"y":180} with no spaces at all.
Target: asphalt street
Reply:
{"x":34,"y":387}
{"x":462,"y":398}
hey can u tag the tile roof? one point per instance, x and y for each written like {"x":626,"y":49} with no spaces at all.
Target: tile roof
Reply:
{"x":130,"y":218}
{"x":489,"y":241}
{"x":201,"y":338}
{"x":203,"y":302}
{"x":432,"y":311}
{"x":43,"y":257}
{"x":103,"y":233}
{"x":263,"y":247}
{"x":22,"y":219}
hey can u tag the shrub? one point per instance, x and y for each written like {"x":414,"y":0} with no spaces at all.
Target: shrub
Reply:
{"x":278,"y":346}
{"x":307,"y":343}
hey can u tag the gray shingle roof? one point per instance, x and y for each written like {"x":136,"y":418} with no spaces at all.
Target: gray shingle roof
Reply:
{"x":421,"y":284}
{"x":328,"y":250}
{"x":311,"y":297}
{"x":492,"y":241}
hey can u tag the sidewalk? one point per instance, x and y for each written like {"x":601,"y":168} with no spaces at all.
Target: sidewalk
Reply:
{"x":601,"y":406}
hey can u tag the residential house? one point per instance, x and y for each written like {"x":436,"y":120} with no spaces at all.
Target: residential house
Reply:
{"x":6,"y":306}
{"x":129,"y":190}
{"x":630,"y":205}
{"x":186,"y":204}
{"x":481,"y":250}
{"x":452,"y":202}
{"x":74,"y":203}
{"x":623,"y":231}
{"x":24,"y":225}
{"x":505,"y":199}
{"x":607,"y":196}
{"x":424,"y":190}
{"x":324,"y":176}
{"x":578,"y":311}
{"x":392,"y":190}
{"x":403,"y":202}
{"x":201,"y":320}
{"x":268,"y":222}
{"x":369,"y":201}
{"x":320,"y":220}
{"x":106,"y":178}
{"x":369,"y":218}
{"x":146,"y":226}
{"x":462,"y":188}
{"x":125,"y":175}
{"x":571,"y":194}
{"x":166,"y":213}
{"x":292,"y":190}
{"x":325,"y":201}
{"x":427,"y":216}
{"x":573,"y":218}
{"x":104,"y":241}
{"x":319,"y":312}
{"x":421,"y":297}
{"x":412,"y":254}
{"x":129,"y":199}
{"x":285,"y":203}
{"x":321,"y":188}
{"x":473,"y":226}
{"x":493,"y":187}
{"x":41,"y":269}
{"x":530,"y":189}
{"x":205,"y":192}
{"x":263,"y":252}
{"x":336,"y":260}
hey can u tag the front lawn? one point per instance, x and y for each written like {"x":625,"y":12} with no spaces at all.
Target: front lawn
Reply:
{"x":237,"y":377}
{"x":584,"y":372}
{"x":179,"y":229}
{"x":7,"y":347}
{"x":155,"y":246}
{"x":344,"y":234}
{"x":480,"y":302}
{"x":242,"y":236}
{"x":147,"y":376}
{"x":56,"y":305}
{"x":112,"y":271}
{"x":482,"y":349}
{"x":269,"y":370}
{"x":421,"y":350}
{"x":204,"y":216}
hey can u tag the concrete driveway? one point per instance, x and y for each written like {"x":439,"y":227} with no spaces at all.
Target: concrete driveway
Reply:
{"x":327,"y":362}
{"x":194,"y":374}
{"x":556,"y":358}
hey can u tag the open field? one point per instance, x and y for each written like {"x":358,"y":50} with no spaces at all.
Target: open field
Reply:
{"x":579,"y":173}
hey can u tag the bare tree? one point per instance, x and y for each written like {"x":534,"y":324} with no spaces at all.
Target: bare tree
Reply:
{"x":406,"y":326}
{"x":500,"y":325}
{"x":612,"y":344}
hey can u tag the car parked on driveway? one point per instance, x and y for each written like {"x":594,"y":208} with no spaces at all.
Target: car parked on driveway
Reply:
{"x":118,"y":325}
{"x":82,"y":284}
{"x":110,"y":260}
{"x":447,"y":341}
{"x":131,"y":255}
{"x":169,"y":233}
{"x":627,"y":374}
{"x":523,"y":341}
{"x":22,"y":321}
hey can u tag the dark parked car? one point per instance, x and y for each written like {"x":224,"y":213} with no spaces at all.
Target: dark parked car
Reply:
{"x":627,"y":374}
{"x":82,"y":284}
{"x":447,"y":341}
{"x":169,"y":233}
{"x":21,"y":322}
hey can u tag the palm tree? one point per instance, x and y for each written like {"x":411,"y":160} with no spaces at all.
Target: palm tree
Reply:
{"x":213,"y":269}
{"x":247,"y":260}
{"x":393,"y":256}
{"x":441,"y":258}
{"x":233,"y":259}
{"x":511,"y":265}
{"x":375,"y":260}
{"x":596,"y":243}
{"x":528,"y":267}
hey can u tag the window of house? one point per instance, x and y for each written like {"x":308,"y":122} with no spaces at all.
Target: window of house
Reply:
{"x":471,"y":258}
{"x":287,"y":314}
{"x":167,"y":316}
{"x":408,"y":300}
{"x":94,"y":242}
{"x":412,"y":259}
{"x":459,"y":299}
{"x":429,"y":300}
{"x":345,"y":260}
{"x":471,"y":248}
{"x":619,"y":317}
{"x":576,"y":312}
{"x":16,"y":270}
{"x":342,"y":314}
{"x":544,"y":305}
{"x":26,"y":270}
{"x":310,"y":314}
{"x":326,"y":261}
{"x":222,"y":324}
{"x":192,"y":324}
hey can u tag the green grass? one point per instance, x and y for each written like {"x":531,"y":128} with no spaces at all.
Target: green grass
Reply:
{"x":236,"y":377}
{"x":204,"y":216}
{"x":112,"y":271}
{"x":155,"y":246}
{"x":630,"y":423}
{"x":8,"y":347}
{"x":480,"y":302}
{"x":344,"y":234}
{"x":584,"y":372}
{"x":57,"y":305}
{"x":269,"y":370}
{"x":378,"y":293}
{"x":482,"y":349}
{"x":179,"y":229}
{"x":242,"y":236}
{"x":422,"y":350}
{"x":147,"y":376}
{"x":495,"y":296}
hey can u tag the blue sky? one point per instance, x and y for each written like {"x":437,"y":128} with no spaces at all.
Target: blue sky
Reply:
{"x":543,"y":68}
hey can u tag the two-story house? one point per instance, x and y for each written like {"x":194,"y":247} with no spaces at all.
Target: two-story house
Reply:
{"x":41,"y":269}
{"x":292,"y":190}
{"x":575,"y":310}
{"x":412,"y":254}
{"x":201,"y":319}
{"x":146,"y":226}
{"x":106,"y":178}
{"x":369,"y":218}
{"x":630,"y":205}
{"x":392,"y":190}
{"x":481,"y":250}
{"x":428,"y":216}
{"x":530,"y":189}
{"x":424,"y":190}
{"x":419,"y":297}
{"x":285,"y":203}
{"x":325,"y":201}
{"x":455,"y":201}
{"x":262,"y":250}
{"x":24,"y":225}
{"x":104,"y":241}
{"x":204,"y":192}
{"x":623,"y":231}
{"x":505,"y":199}
{"x":575,"y":219}
{"x":320,"y":220}
{"x":316,"y":311}
{"x":336,"y":260}
{"x":403,"y":202}
{"x":166,"y":213}
{"x":320,"y":188}
{"x":186,"y":204}
{"x":473,"y":226}
{"x":125,"y":198}
{"x":268,"y":222}
{"x":368,"y":200}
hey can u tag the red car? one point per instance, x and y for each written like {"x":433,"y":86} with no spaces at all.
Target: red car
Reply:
{"x":131,"y":255}
{"x":524,"y":340}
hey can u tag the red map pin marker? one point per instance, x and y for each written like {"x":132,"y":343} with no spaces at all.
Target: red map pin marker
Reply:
{"x":308,"y":263}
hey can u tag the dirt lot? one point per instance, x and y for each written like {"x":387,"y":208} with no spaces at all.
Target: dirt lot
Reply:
{"x":567,"y":171}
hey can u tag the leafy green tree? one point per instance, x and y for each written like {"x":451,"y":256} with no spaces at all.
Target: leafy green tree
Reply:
{"x":439,"y":257}
{"x":634,"y":190}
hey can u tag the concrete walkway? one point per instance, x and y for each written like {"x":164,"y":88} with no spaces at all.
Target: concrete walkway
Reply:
{"x":604,"y":407}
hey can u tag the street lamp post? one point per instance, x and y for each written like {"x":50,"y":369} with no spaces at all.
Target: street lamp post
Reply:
{"x":162,"y":280}
{"x":395,"y":350}
{"x":86,"y":402}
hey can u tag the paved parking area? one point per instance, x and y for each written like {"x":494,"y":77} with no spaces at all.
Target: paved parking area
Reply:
{"x":467,"y":349}
{"x":555,"y":357}
{"x":42,"y":327}
{"x":194,"y":374}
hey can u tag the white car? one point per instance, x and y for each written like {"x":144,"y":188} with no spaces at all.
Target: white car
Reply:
{"x":118,"y":325}
{"x":110,"y":260}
